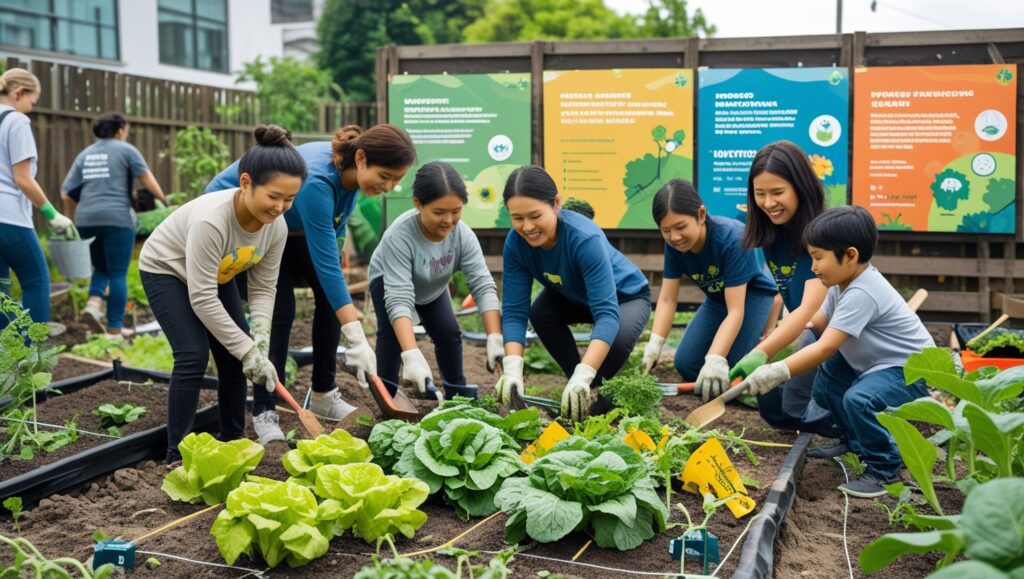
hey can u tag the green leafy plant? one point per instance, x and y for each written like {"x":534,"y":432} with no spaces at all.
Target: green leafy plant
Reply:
{"x":338,"y":447}
{"x":277,"y":520}
{"x":118,"y":414}
{"x":389,"y":439}
{"x":290,"y":92}
{"x":98,"y":347}
{"x":361,"y":498}
{"x":537,"y":360}
{"x":636,"y":393}
{"x":149,"y":220}
{"x":600,"y":487}
{"x":23,"y":435}
{"x":148,"y":351}
{"x":999,"y":344}
{"x":14,"y":505}
{"x":27,"y":561}
{"x":210,"y":469}
{"x":198,"y":156}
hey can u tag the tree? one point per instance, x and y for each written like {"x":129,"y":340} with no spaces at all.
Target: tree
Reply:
{"x":528,"y":20}
{"x":669,"y":19}
{"x":290,"y":92}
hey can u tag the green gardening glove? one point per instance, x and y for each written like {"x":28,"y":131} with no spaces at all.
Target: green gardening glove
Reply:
{"x":747,"y":364}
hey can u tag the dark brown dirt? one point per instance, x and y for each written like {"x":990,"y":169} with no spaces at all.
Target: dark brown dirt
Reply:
{"x":70,"y":368}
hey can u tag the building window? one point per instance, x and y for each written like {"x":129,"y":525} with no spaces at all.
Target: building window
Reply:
{"x":78,"y":27}
{"x":287,"y":11}
{"x":194,"y":33}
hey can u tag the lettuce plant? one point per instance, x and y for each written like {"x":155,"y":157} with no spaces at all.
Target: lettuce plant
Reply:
{"x":362,"y":498}
{"x":602,"y":487}
{"x":210,"y":469}
{"x":338,"y":447}
{"x":119,"y":414}
{"x":277,"y":520}
{"x":389,"y":439}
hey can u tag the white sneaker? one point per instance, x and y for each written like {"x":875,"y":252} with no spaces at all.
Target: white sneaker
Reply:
{"x":267,"y":427}
{"x":93,"y":314}
{"x":330,"y":406}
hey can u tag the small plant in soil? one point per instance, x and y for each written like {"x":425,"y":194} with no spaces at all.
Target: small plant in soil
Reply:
{"x":29,"y":562}
{"x":119,"y":414}
{"x":14,"y":505}
{"x":361,"y":498}
{"x":710,"y":506}
{"x":210,"y":469}
{"x":637,"y":394}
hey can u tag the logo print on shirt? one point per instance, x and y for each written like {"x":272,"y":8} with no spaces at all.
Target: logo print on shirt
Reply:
{"x":555,"y":279}
{"x":240,"y":260}
{"x":442,"y":264}
{"x":711,"y":282}
{"x":783,"y":274}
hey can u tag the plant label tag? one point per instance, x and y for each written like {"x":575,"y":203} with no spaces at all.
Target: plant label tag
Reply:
{"x":709,"y":470}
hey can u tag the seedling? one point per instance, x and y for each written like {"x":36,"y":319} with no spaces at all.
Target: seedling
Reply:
{"x":119,"y":415}
{"x":13,"y":504}
{"x":29,"y":562}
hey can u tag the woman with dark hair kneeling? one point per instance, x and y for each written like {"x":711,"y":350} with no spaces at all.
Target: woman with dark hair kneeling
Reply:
{"x":188,"y":266}
{"x":410,"y":271}
{"x":585,"y":280}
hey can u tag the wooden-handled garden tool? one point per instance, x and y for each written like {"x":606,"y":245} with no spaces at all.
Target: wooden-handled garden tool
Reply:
{"x":708,"y":413}
{"x":984,"y":332}
{"x":306,"y":417}
{"x":394,"y":403}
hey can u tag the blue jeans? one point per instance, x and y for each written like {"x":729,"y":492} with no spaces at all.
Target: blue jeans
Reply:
{"x":854,"y":400}
{"x":702,"y":329}
{"x":20,"y":251}
{"x":790,"y":406}
{"x":111,"y":252}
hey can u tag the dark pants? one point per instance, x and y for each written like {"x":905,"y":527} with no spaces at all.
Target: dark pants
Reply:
{"x":437,"y":318}
{"x":854,"y":400}
{"x":297,"y":271}
{"x":790,"y":406}
{"x":551,"y":313}
{"x":111,"y":252}
{"x":192,"y":343}
{"x":20,"y":251}
{"x":701,"y":332}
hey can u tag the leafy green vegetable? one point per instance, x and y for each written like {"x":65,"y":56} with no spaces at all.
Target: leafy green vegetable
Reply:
{"x":389,"y":439}
{"x":27,"y":561}
{"x":362,"y":498}
{"x":636,"y":393}
{"x":537,"y":360}
{"x":210,"y":469}
{"x":98,"y":347}
{"x":918,"y":454}
{"x":404,"y":568}
{"x":603,"y":488}
{"x":999,"y":344}
{"x":147,"y":351}
{"x":118,"y":415}
{"x":149,"y":220}
{"x":14,"y":505}
{"x":277,"y":520}
{"x":338,"y":447}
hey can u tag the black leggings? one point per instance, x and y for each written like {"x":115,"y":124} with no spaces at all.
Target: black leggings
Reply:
{"x":297,"y":271}
{"x":192,"y":343}
{"x":438,"y":319}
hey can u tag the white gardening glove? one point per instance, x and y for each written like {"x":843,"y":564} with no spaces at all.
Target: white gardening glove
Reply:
{"x":767,"y":377}
{"x":713,"y":377}
{"x":259,"y":328}
{"x":63,"y":227}
{"x":415,"y":369}
{"x":576,"y":396}
{"x":258,"y":369}
{"x":495,"y":351}
{"x":512,"y":379}
{"x":359,"y":356}
{"x":652,"y":352}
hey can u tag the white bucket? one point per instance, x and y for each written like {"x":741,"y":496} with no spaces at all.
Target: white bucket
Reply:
{"x":72,"y":257}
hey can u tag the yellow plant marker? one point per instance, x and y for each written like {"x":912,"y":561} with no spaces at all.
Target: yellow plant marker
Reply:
{"x":551,"y":436}
{"x":639,"y":441}
{"x":710,"y":470}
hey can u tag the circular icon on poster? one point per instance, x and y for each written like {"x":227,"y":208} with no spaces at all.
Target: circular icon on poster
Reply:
{"x":990,"y":125}
{"x":825,"y":130}
{"x":983,"y":164}
{"x":499,"y":147}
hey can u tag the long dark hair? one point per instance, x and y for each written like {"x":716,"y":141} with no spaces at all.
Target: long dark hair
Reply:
{"x":789,"y":162}
{"x":384,"y":146}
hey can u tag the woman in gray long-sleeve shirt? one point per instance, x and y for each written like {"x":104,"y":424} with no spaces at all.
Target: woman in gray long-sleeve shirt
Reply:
{"x":410,"y":271}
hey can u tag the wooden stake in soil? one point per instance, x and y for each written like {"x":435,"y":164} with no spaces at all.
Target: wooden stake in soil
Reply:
{"x":306,"y":417}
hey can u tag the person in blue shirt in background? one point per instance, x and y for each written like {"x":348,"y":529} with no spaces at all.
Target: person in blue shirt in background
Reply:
{"x":707,"y":249}
{"x":371,"y":162}
{"x":787,"y":194}
{"x":585,"y":280}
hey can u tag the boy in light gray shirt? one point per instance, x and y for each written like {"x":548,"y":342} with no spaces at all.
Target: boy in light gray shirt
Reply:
{"x":866,"y":333}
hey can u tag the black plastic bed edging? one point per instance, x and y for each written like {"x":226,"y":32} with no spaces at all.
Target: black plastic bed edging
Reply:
{"x":76,"y":471}
{"x":757,"y":556}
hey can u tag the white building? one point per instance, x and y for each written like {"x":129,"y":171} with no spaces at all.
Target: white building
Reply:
{"x":197,"y":41}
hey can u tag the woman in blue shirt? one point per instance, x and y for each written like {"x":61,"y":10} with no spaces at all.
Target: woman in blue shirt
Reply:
{"x":370,"y":162}
{"x":788,"y":195}
{"x":707,"y":249}
{"x":585,"y":280}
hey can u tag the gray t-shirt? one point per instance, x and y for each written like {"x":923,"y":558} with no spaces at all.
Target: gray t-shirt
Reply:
{"x":16,"y":145}
{"x":417,"y":270}
{"x":106,"y":171}
{"x":883,"y":331}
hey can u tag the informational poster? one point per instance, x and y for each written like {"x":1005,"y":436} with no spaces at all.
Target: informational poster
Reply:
{"x":477,"y":123}
{"x":934,"y":147}
{"x":614,"y":137}
{"x":743,"y":109}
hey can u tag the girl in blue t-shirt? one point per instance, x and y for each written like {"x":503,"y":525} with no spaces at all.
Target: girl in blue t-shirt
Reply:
{"x":707,"y":250}
{"x":585,"y":280}
{"x":788,"y":195}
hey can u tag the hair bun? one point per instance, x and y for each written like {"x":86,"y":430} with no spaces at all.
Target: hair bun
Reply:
{"x":272,"y":136}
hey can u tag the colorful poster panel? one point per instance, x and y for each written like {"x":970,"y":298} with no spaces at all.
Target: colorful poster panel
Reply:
{"x":614,"y":137}
{"x":477,"y":123}
{"x":934,"y":147}
{"x":742,"y":110}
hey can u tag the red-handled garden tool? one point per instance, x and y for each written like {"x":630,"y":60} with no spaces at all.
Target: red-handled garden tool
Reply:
{"x":306,"y":417}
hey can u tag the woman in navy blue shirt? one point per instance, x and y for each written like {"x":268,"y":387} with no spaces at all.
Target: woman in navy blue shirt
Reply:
{"x":707,"y":249}
{"x":585,"y":280}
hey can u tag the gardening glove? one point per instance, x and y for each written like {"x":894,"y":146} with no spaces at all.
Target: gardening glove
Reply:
{"x":258,"y":369}
{"x":61,"y":225}
{"x":511,"y":380}
{"x":652,"y":352}
{"x":747,"y":364}
{"x":495,"y":351}
{"x":359,"y":357}
{"x":576,"y":396}
{"x":415,"y":369}
{"x":259,"y":327}
{"x":766,"y":378}
{"x":713,"y":377}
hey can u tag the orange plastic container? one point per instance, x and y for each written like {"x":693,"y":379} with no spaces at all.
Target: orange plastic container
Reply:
{"x":973,"y":361}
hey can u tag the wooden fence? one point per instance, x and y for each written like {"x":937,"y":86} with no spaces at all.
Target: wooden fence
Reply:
{"x":966,"y":275}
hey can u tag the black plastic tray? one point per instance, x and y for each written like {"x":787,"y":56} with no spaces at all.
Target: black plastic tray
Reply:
{"x":967,"y":331}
